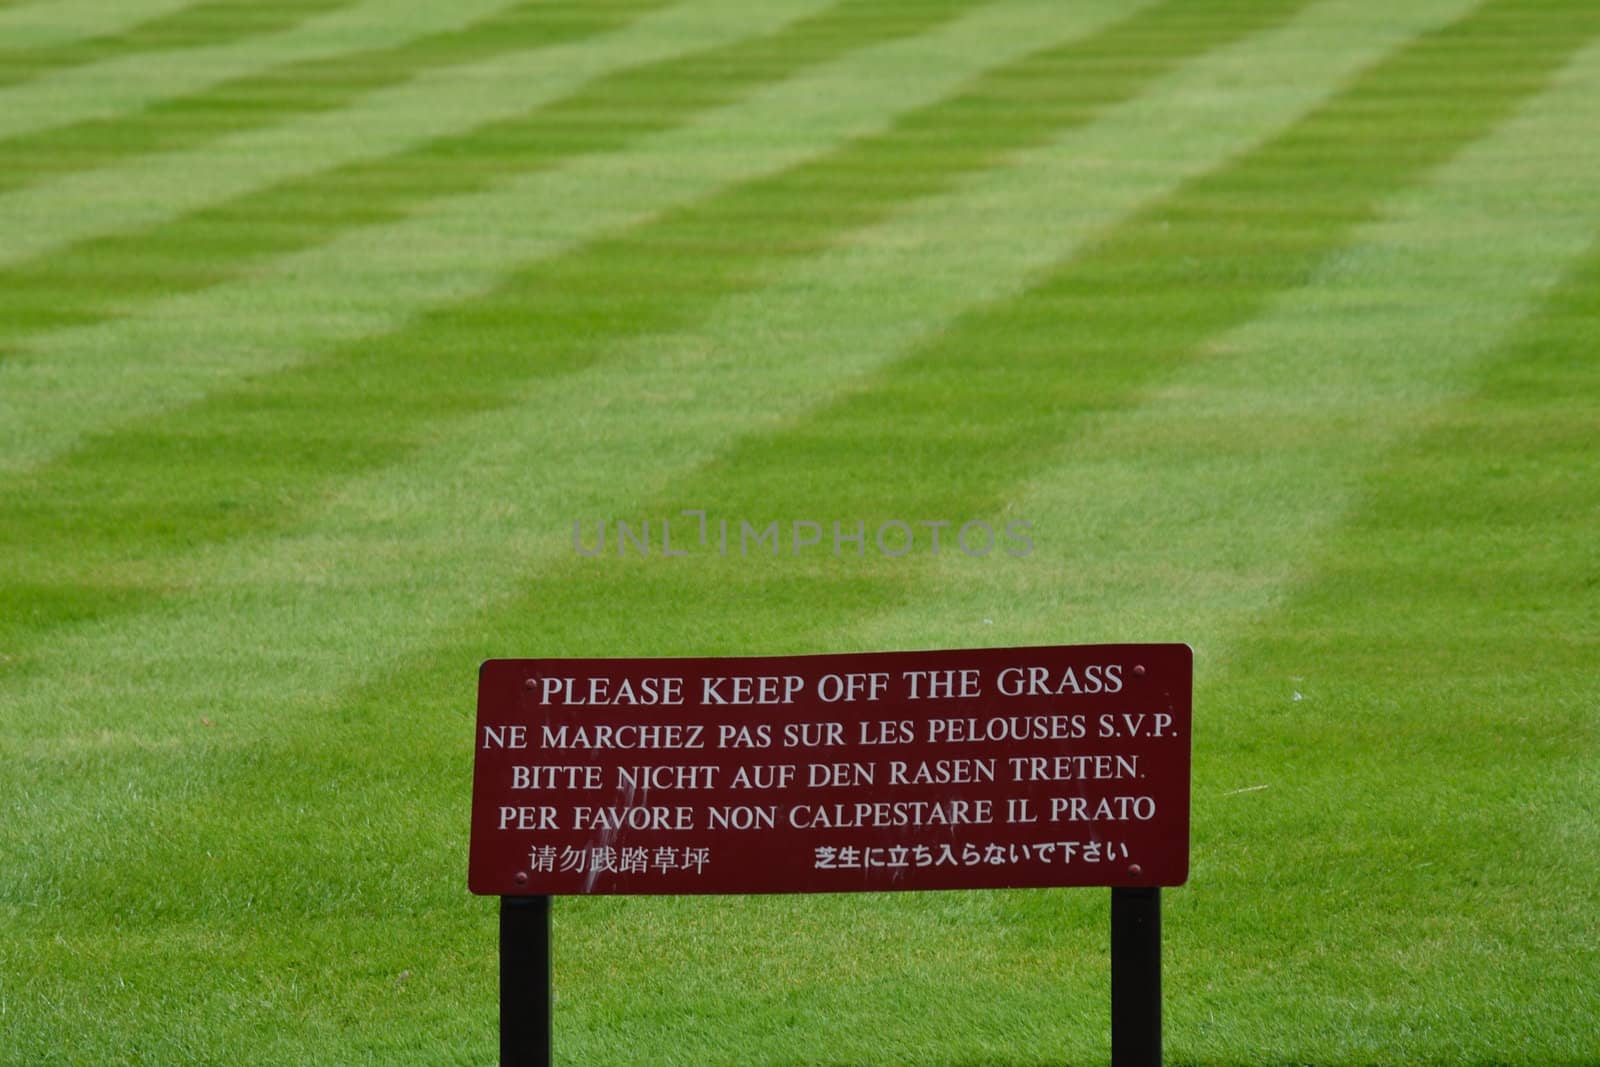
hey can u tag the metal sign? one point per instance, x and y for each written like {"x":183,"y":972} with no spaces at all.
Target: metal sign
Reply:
{"x":979,"y":768}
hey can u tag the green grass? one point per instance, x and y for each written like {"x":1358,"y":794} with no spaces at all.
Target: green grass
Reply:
{"x":1277,"y":321}
{"x":195,"y":25}
{"x":296,"y":87}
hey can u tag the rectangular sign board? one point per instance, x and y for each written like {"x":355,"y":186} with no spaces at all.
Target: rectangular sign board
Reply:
{"x":974,"y":769}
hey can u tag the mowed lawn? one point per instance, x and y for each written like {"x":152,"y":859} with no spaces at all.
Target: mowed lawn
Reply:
{"x":323,"y":322}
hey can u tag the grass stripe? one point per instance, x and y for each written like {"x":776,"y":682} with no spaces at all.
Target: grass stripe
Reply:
{"x":604,"y":115}
{"x":836,"y":287}
{"x":209,"y":22}
{"x":827,"y":287}
{"x":297,"y":87}
{"x":143,"y":193}
{"x":1090,"y":338}
{"x":34,"y":24}
{"x":1476,"y":713}
{"x":372,"y":280}
{"x":1419,"y":296}
{"x":20,"y":538}
{"x":71,"y":381}
{"x":123,"y":86}
{"x":278,"y":440}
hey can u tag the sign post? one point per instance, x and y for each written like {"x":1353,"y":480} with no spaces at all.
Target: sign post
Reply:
{"x":974,"y":769}
{"x":1136,"y":977}
{"x":525,"y":990}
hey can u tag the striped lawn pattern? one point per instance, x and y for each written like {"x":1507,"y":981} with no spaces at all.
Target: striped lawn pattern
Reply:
{"x":295,"y":87}
{"x":1274,"y":318}
{"x":209,"y":22}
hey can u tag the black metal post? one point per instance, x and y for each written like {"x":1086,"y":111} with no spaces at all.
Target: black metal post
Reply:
{"x":525,"y":982}
{"x":1136,"y":977}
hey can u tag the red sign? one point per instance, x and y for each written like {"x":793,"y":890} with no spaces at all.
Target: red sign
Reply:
{"x":976,"y":769}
